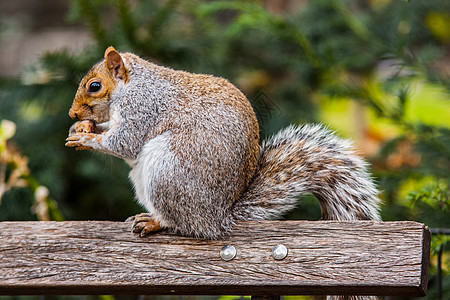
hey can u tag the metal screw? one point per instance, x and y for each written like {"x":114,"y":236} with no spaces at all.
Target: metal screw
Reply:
{"x":279,"y":252}
{"x":228,"y":252}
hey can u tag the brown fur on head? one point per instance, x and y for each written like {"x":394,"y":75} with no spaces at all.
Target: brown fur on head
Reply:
{"x":92,"y":98}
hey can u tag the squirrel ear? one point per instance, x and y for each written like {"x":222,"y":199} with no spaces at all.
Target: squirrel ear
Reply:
{"x":115,"y":64}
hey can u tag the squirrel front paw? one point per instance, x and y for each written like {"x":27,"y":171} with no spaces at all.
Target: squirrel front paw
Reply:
{"x":83,"y":141}
{"x":83,"y":135}
{"x":144,"y":224}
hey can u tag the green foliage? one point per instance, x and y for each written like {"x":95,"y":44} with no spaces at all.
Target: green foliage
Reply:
{"x":435,"y":195}
{"x":433,"y":198}
{"x":14,"y":173}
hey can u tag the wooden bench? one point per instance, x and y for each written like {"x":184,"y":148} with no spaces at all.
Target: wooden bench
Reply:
{"x":324,"y":257}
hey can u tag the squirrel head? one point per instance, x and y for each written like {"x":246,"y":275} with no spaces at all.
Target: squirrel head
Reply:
{"x":92,"y":98}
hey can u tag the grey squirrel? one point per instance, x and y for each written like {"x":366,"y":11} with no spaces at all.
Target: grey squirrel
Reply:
{"x":192,"y":142}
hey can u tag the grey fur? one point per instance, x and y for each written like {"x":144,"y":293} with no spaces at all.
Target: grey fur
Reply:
{"x":192,"y":143}
{"x":309,"y":159}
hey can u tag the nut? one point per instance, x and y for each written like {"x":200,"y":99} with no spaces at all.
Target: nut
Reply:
{"x":85,"y":126}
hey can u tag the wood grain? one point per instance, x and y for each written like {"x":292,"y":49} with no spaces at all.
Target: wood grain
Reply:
{"x":325,"y":257}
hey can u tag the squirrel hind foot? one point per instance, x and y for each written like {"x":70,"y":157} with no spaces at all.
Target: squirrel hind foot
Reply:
{"x":144,"y":224}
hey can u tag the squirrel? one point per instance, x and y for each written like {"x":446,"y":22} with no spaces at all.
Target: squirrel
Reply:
{"x":197,"y":166}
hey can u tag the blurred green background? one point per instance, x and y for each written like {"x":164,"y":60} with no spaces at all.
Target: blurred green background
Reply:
{"x":375,"y":71}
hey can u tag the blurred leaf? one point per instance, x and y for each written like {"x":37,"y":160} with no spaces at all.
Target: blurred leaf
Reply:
{"x":439,"y":241}
{"x":436,"y":195}
{"x":439,"y":24}
{"x":7,"y":130}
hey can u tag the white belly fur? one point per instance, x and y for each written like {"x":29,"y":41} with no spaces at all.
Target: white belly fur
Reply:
{"x":154,"y":159}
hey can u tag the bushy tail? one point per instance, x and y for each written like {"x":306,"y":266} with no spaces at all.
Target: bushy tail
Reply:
{"x":311,"y":159}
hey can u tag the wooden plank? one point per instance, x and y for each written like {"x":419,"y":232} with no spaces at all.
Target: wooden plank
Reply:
{"x":325,"y":257}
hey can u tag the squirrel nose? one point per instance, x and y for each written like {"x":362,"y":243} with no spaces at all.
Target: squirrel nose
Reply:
{"x":73,"y":114}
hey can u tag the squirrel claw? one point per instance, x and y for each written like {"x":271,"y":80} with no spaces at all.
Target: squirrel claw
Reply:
{"x":144,"y":224}
{"x":82,"y":140}
{"x":72,"y":138}
{"x":74,"y":142}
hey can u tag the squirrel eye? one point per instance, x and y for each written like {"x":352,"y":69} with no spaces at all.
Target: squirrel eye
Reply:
{"x":94,"y":87}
